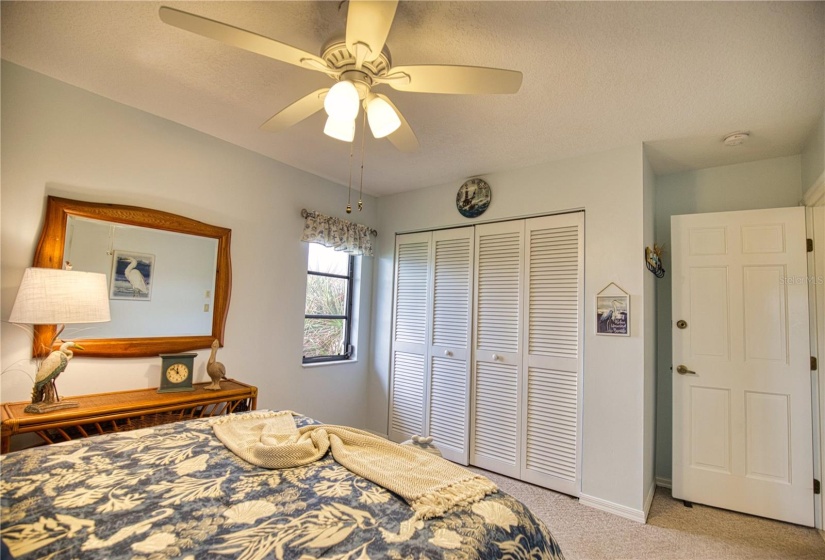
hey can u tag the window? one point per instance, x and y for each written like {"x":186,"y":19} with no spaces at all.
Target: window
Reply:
{"x":328,"y":312}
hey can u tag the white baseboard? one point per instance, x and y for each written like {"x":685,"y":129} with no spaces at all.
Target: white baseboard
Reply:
{"x":616,"y":509}
{"x":664,"y":482}
{"x":379,"y":434}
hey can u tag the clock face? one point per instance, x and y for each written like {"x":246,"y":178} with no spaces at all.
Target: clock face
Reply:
{"x":473,"y":198}
{"x":177,"y":373}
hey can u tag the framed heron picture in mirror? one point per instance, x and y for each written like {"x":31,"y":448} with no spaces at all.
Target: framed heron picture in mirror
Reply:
{"x":132,"y":276}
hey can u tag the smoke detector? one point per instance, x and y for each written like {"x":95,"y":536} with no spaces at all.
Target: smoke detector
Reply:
{"x":735,"y":138}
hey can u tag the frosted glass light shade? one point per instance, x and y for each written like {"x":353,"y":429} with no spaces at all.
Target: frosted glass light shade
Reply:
{"x":342,"y":101}
{"x":50,"y":296}
{"x":340,"y":129}
{"x":382,"y":118}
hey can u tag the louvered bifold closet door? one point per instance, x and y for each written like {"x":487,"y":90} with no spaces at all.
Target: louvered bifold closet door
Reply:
{"x":494,"y":439}
{"x":449,"y":403}
{"x":551,"y":391}
{"x":411,"y":316}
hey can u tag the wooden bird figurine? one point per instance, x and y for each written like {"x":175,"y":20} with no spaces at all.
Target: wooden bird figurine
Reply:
{"x":216,"y":370}
{"x":44,"y":393}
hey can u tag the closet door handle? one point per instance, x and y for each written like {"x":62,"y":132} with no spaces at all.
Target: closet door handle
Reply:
{"x":448,"y":352}
{"x":496,"y":357}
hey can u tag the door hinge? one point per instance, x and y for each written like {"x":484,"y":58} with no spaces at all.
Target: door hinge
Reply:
{"x":813,"y":363}
{"x":817,"y":489}
{"x":810,"y":245}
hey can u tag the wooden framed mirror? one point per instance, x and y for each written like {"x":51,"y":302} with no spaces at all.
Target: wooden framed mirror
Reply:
{"x":191,"y":276}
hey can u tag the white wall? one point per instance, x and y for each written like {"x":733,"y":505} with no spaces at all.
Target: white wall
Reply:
{"x":60,"y":140}
{"x":608,"y":186}
{"x":772,"y":183}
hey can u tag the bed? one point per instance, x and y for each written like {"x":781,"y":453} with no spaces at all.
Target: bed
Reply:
{"x":175,"y":491}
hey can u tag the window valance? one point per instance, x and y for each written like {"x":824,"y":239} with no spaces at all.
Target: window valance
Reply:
{"x":339,"y":234}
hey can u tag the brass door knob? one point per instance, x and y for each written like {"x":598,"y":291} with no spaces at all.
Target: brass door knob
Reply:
{"x":682,"y":370}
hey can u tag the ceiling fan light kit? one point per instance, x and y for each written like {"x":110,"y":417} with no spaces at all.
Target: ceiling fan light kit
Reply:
{"x":382,"y":118}
{"x":357,"y":63}
{"x":340,"y":129}
{"x":342,"y":101}
{"x":361,"y":61}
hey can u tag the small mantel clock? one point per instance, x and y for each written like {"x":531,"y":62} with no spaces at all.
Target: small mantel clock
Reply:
{"x":176,"y":372}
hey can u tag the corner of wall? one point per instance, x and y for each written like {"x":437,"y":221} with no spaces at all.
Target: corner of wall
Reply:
{"x":813,"y":162}
{"x":638,"y":515}
{"x":771,"y":183}
{"x":815,"y":195}
{"x":650,"y":330}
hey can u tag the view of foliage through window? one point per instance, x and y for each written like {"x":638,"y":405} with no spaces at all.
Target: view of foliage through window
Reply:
{"x":327,"y":306}
{"x":325,"y":296}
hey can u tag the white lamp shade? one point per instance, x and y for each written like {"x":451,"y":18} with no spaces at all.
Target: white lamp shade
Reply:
{"x":382,"y":118}
{"x":50,"y":296}
{"x":342,"y":101}
{"x":340,"y":129}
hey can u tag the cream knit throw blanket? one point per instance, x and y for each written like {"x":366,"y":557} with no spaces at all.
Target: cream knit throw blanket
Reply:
{"x":429,"y":484}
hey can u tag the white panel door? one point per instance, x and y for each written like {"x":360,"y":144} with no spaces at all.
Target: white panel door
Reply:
{"x":741,"y":371}
{"x":552,"y":346}
{"x":449,"y":352}
{"x":496,"y":394}
{"x":410,"y":332}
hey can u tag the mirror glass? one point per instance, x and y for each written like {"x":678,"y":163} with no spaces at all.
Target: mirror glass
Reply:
{"x":169,"y":277}
{"x":163,"y":281}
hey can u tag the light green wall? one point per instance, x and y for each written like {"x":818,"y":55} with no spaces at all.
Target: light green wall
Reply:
{"x":772,"y":183}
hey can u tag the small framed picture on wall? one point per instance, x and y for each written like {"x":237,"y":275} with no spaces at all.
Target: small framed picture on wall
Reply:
{"x":613,"y":312}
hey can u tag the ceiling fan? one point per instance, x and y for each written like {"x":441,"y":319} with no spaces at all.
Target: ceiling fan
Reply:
{"x":358,"y":62}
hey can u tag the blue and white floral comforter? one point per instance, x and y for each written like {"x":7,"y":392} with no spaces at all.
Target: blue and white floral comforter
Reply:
{"x":175,"y":491}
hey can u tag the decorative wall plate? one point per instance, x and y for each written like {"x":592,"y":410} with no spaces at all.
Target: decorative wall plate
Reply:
{"x":473,"y":197}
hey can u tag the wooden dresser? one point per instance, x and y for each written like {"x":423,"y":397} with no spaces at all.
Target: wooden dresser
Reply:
{"x":124,"y":410}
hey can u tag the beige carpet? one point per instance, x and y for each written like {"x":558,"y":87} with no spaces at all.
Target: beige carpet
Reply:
{"x":672,"y":530}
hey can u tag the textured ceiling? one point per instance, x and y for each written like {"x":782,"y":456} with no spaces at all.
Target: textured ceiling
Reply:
{"x":597,"y":75}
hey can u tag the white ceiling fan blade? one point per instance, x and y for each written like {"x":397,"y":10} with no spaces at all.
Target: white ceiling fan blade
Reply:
{"x":452,"y":79}
{"x":404,"y":138}
{"x":243,"y":39}
{"x":368,"y":24}
{"x":298,"y":111}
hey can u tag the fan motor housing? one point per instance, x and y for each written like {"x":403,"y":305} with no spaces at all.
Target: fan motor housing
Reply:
{"x":337,"y":55}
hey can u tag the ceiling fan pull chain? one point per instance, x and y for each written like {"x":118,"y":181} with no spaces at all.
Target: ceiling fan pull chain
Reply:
{"x":349,"y":186}
{"x":363,"y":138}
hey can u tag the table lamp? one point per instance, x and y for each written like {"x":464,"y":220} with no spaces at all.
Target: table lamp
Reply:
{"x":50,"y":296}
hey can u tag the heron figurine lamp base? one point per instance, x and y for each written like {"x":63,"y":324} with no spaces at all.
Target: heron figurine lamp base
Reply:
{"x":53,"y":296}
{"x":41,"y":408}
